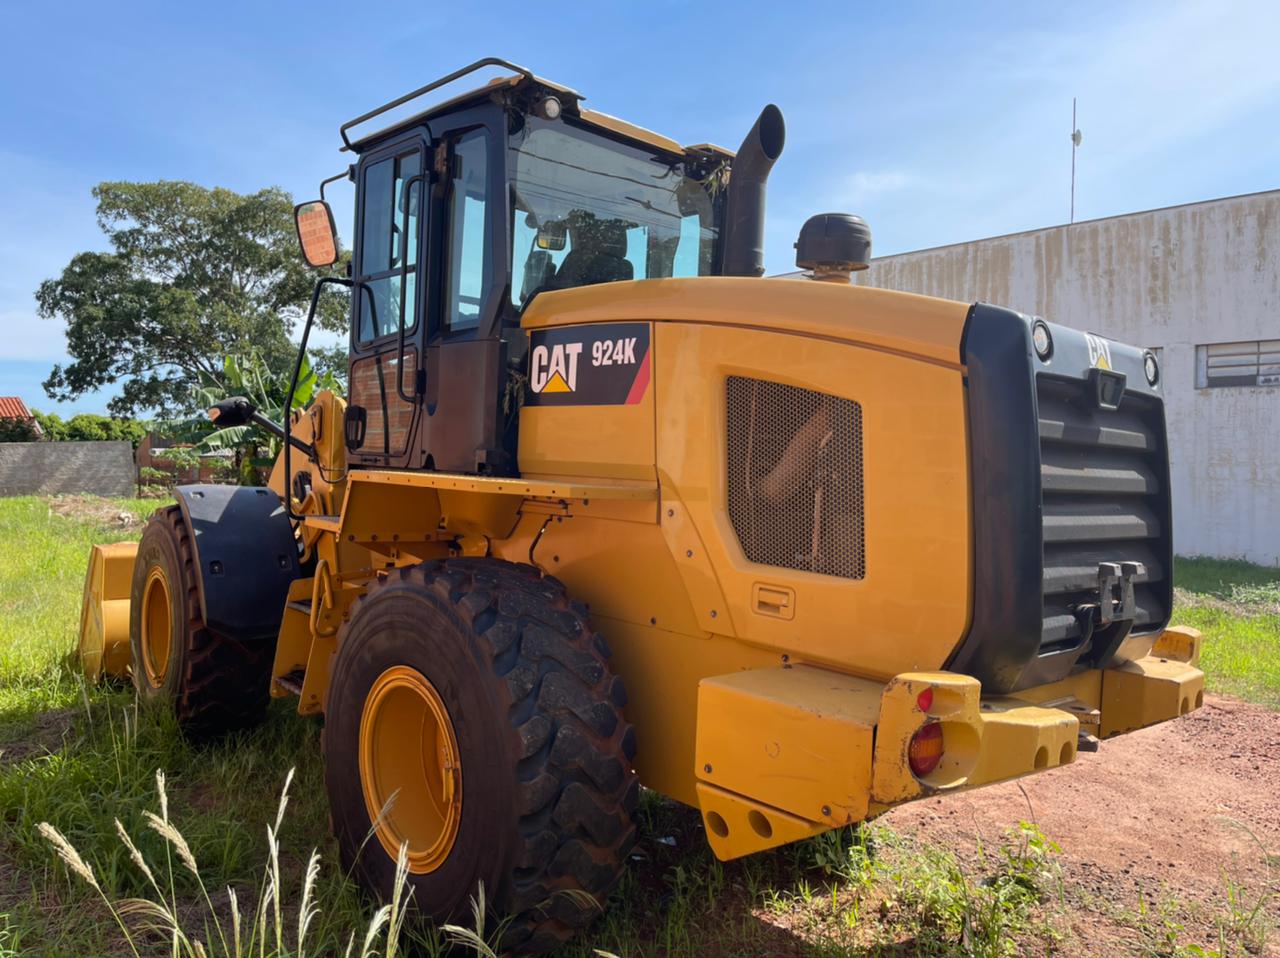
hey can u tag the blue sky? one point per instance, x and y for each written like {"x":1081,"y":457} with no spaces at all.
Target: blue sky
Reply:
{"x":937,"y":122}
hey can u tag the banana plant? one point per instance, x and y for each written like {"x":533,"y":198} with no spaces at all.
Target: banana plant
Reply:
{"x":250,"y":377}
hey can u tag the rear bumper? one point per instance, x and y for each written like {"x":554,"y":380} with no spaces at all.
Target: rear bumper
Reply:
{"x":786,"y":753}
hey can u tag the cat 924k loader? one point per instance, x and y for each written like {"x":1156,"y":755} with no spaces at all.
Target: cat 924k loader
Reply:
{"x":605,"y":506}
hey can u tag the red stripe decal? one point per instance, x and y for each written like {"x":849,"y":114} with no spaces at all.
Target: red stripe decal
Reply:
{"x":641,"y":382}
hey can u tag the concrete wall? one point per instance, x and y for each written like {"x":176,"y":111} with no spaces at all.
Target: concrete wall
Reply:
{"x":103,"y":468}
{"x":1174,"y":278}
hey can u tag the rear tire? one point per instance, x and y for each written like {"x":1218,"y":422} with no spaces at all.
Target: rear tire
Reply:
{"x":545,"y":789}
{"x":213,"y":683}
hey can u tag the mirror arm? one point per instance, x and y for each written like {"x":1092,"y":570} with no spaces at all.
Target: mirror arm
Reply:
{"x":286,"y":432}
{"x":347,"y":174}
{"x":278,"y":431}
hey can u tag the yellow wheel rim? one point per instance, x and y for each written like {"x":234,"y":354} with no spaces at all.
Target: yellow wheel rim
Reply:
{"x":157,"y":627}
{"x":410,"y":770}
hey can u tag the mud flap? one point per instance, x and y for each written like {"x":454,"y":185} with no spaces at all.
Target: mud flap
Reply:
{"x":247,"y":554}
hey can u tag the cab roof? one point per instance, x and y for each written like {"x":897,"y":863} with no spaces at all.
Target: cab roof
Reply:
{"x":522,"y":79}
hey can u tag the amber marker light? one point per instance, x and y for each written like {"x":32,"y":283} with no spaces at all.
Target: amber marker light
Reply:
{"x":925,"y":751}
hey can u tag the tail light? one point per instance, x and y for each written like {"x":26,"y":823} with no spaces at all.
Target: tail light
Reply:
{"x":925,"y":751}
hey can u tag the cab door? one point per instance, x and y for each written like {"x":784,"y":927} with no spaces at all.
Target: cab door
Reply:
{"x":467,"y":408}
{"x":387,"y":329}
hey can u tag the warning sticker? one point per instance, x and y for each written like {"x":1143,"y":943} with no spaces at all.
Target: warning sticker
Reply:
{"x":600,"y":365}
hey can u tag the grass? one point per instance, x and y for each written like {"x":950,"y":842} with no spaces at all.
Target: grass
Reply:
{"x":79,"y":759}
{"x":1237,"y":607}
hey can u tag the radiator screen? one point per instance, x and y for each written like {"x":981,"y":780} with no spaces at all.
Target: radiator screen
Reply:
{"x":795,"y":477}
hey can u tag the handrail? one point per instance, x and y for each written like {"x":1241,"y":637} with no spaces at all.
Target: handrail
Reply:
{"x":406,"y":192}
{"x":434,"y":85}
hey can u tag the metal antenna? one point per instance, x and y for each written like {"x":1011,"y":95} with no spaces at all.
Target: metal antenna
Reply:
{"x":1075,"y":143}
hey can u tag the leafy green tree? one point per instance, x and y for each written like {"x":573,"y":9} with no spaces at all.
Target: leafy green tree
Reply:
{"x":193,"y":275}
{"x":17,"y":430}
{"x":51,"y":425}
{"x":89,"y":426}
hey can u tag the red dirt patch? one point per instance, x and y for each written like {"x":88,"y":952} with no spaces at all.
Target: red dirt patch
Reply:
{"x":1151,"y":816}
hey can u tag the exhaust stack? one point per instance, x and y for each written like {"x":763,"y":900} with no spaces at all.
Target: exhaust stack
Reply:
{"x":744,"y":213}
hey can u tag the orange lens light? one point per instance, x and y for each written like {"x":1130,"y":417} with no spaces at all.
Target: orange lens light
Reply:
{"x":925,"y":700}
{"x":925,"y":751}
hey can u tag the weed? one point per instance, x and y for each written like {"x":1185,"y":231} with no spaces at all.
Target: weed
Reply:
{"x":1247,"y":919}
{"x":156,"y":916}
{"x":79,"y":758}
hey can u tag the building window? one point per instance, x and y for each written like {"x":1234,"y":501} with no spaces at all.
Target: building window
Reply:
{"x":1255,"y":363}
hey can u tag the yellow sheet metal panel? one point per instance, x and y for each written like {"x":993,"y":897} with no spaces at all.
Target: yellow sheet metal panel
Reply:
{"x":737,"y":826}
{"x":614,"y":441}
{"x":104,"y":647}
{"x":620,"y":569}
{"x":614,"y":125}
{"x":1148,"y":691}
{"x":912,"y":606}
{"x":524,"y":486}
{"x":662,"y":670}
{"x":693,"y":561}
{"x":794,"y":738}
{"x":898,"y":322}
{"x":321,"y":424}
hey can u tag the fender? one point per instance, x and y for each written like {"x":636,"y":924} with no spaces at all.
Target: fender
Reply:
{"x":247,"y":557}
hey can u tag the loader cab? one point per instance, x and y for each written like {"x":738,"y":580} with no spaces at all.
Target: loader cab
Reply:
{"x":464,"y":214}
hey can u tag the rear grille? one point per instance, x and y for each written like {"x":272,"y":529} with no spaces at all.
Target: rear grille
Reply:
{"x":1104,"y":485}
{"x":795,"y":477}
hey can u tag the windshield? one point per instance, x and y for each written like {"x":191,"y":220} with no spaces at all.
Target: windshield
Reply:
{"x":592,"y":210}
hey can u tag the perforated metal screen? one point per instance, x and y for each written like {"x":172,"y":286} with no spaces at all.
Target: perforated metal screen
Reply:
{"x":795,"y":477}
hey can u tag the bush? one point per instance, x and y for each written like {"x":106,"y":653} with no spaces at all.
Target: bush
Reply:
{"x":17,"y":430}
{"x":90,"y":427}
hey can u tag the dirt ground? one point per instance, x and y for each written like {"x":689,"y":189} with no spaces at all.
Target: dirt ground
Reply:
{"x":94,"y":509}
{"x":1168,"y":814}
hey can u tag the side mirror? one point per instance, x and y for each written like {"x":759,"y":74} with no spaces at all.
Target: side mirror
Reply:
{"x":232,"y":411}
{"x":317,"y":233}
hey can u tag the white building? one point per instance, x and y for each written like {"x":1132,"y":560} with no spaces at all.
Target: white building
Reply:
{"x":1198,"y":283}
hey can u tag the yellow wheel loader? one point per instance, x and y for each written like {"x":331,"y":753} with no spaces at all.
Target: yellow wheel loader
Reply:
{"x":842,"y":547}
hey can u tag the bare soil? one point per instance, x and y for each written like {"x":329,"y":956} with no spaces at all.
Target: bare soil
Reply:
{"x":1164,"y":816}
{"x":94,"y":510}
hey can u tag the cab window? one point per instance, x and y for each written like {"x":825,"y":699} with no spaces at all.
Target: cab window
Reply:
{"x":589,"y":209}
{"x":468,"y":251}
{"x":388,"y":235}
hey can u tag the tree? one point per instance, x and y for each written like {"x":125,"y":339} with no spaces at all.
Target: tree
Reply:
{"x":89,"y":426}
{"x":194,"y":275}
{"x":17,"y":430}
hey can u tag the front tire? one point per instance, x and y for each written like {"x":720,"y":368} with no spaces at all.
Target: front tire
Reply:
{"x":213,"y":683}
{"x":472,"y":714}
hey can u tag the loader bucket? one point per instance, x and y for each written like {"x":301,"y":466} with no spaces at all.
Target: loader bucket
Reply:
{"x":104,"y":617}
